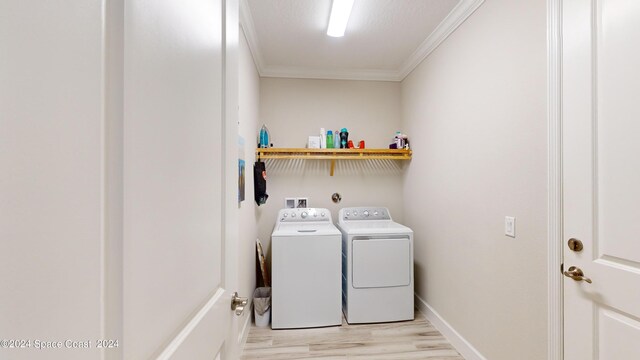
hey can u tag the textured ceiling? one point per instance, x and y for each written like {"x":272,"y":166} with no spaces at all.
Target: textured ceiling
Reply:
{"x":384,"y":39}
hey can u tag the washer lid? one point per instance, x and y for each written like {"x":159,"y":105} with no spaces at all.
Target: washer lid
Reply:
{"x":305,"y":229}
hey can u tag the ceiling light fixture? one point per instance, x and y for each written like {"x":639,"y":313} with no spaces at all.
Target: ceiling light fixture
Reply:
{"x":340,"y":12}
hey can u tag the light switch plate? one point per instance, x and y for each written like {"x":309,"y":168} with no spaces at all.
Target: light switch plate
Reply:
{"x":510,"y":226}
{"x":290,"y":203}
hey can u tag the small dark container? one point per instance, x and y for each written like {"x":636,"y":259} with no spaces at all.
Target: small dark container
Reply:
{"x":344,"y":139}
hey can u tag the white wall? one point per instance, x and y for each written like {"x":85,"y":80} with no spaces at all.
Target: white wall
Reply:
{"x":249,"y":102}
{"x":476,"y":113}
{"x":114,"y":187}
{"x":293,"y":109}
{"x":53,"y":155}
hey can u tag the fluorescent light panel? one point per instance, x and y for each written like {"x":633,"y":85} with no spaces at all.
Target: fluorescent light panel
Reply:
{"x":340,"y":12}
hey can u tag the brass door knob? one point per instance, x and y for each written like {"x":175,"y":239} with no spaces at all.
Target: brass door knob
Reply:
{"x":575,"y":244}
{"x":238,"y":303}
{"x":576,"y":274}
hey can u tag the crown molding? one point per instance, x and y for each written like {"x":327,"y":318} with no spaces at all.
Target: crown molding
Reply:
{"x":454,"y":19}
{"x":333,"y":74}
{"x":246,"y":22}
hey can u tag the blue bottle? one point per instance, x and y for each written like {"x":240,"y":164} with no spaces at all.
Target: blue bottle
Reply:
{"x":264,"y":137}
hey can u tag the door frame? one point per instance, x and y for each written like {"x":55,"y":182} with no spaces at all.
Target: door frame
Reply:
{"x":554,"y":147}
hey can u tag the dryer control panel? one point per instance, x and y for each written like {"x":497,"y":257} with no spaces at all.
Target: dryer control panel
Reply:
{"x":304,"y":214}
{"x":365,"y":213}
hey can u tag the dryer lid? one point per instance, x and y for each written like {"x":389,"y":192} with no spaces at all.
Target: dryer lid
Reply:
{"x":374,"y":227}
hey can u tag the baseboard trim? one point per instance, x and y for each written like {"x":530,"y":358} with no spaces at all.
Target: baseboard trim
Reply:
{"x":459,"y":343}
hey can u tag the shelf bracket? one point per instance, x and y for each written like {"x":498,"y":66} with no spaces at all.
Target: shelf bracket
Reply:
{"x":333,"y":166}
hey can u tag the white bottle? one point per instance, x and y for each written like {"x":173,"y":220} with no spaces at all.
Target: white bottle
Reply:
{"x":323,"y":139}
{"x":398,"y":140}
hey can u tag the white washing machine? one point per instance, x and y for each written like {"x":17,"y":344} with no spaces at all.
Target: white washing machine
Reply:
{"x":305,"y":270}
{"x":377,"y":266}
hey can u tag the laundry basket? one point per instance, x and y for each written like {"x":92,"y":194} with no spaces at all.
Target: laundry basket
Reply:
{"x":262,"y":306}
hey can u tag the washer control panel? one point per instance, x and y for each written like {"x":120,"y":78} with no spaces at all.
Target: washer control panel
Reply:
{"x":365,"y":213}
{"x":304,"y":214}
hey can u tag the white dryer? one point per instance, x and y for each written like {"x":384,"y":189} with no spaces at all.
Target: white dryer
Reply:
{"x":305,"y":270}
{"x":377,"y":266}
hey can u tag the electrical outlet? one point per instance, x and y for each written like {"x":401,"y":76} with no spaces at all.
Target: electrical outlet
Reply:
{"x":302,"y":202}
{"x":510,"y":226}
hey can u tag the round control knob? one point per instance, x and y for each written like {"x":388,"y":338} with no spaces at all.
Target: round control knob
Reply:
{"x":293,"y":215}
{"x":355,"y":213}
{"x":375,"y":213}
{"x":347,"y":213}
{"x":285,"y":214}
{"x":366,"y":213}
{"x":303,"y":215}
{"x":322,"y":214}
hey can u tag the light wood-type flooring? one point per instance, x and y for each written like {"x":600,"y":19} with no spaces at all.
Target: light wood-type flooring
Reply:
{"x":406,"y":340}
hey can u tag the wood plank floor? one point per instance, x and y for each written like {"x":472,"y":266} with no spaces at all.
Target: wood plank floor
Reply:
{"x":407,"y":340}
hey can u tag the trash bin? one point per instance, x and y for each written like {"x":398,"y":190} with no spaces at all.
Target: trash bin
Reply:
{"x":262,"y":306}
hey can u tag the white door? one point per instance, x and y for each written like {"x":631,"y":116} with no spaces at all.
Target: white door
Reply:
{"x":114,"y":180}
{"x":179,"y":273}
{"x":601,"y":171}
